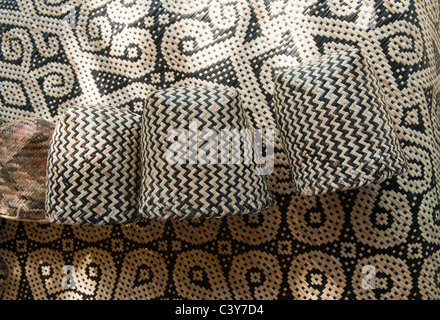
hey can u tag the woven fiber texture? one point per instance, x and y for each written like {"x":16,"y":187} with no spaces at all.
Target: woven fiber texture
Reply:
{"x":93,"y":167}
{"x":3,"y":275}
{"x":335,"y":125}
{"x":195,"y":183}
{"x":60,"y":54}
{"x":23,"y":152}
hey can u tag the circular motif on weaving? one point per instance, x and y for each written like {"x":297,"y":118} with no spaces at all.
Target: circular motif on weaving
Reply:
{"x":255,"y":275}
{"x":57,"y":79}
{"x":94,"y":33}
{"x":96,"y":273}
{"x":180,"y":46}
{"x":405,"y":47}
{"x":44,"y":273}
{"x":380,"y":218}
{"x":198,"y":275}
{"x":316,"y":275}
{"x":256,"y":228}
{"x":393,"y":280}
{"x":15,"y":45}
{"x":144,"y":275}
{"x":316,"y":220}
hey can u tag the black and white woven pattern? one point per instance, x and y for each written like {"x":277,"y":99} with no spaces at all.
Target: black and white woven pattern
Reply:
{"x":93,"y":167}
{"x":335,"y":125}
{"x":200,"y":189}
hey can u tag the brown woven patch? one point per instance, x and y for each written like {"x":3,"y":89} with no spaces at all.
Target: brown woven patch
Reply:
{"x":23,"y":152}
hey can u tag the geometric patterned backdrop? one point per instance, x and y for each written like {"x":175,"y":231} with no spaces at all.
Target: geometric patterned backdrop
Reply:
{"x":58,"y":54}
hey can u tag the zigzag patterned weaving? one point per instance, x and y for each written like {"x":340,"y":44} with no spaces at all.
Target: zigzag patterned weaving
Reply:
{"x":203,"y":188}
{"x":335,"y":125}
{"x":93,"y":167}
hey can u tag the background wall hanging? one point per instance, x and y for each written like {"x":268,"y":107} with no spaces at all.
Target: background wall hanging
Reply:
{"x":78,"y":52}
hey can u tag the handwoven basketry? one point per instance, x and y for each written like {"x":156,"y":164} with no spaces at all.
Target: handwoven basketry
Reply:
{"x":335,"y":124}
{"x":198,"y":188}
{"x":24,"y":146}
{"x":93,"y":167}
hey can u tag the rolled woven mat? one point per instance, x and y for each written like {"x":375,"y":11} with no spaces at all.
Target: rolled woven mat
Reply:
{"x":335,"y":124}
{"x":181,"y":178}
{"x":93,"y":167}
{"x":24,"y":146}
